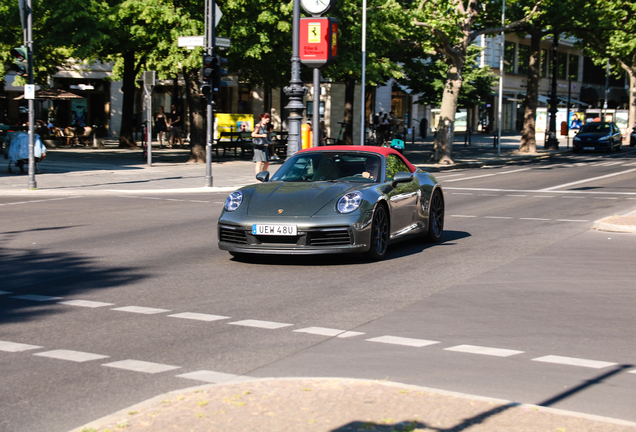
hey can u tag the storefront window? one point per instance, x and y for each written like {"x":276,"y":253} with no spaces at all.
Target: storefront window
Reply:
{"x":509,"y":57}
{"x":523,"y":60}
{"x":573,"y":67}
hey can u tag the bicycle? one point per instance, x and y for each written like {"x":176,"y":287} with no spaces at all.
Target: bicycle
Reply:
{"x":337,"y":141}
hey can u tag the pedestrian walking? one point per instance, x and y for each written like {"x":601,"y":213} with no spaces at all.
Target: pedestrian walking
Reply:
{"x":175,"y":126}
{"x":162,"y":126}
{"x":261,"y":141}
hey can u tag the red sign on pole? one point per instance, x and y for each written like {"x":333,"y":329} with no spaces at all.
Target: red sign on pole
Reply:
{"x":318,"y":41}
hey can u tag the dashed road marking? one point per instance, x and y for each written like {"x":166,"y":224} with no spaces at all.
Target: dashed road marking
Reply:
{"x":75,"y":356}
{"x":322,"y":331}
{"x":198,"y":316}
{"x":497,"y":217}
{"x":534,"y":219}
{"x":349,"y":334}
{"x":572,"y":361}
{"x":261,"y":324}
{"x":85,"y":303}
{"x":141,"y":310}
{"x":572,"y":220}
{"x":474,"y":349}
{"x":587,"y":180}
{"x":208,"y":376}
{"x":141,"y":366}
{"x":35,"y":297}
{"x":517,"y":195}
{"x":464,"y":216}
{"x":16,"y":347}
{"x":396,"y":340}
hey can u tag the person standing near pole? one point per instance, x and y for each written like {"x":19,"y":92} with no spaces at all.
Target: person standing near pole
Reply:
{"x":260,"y":139}
{"x":162,"y":126}
{"x":175,"y":126}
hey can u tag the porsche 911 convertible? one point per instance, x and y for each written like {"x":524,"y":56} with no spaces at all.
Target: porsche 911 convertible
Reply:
{"x":337,"y":199}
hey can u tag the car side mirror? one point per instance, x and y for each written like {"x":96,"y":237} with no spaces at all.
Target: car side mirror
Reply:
{"x":402,"y":177}
{"x":263,"y":176}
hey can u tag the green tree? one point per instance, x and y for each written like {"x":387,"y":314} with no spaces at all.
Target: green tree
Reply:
{"x":451,"y":26}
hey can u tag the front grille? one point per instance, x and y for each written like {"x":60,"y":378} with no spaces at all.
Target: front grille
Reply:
{"x":232,"y":236}
{"x":339,"y":237}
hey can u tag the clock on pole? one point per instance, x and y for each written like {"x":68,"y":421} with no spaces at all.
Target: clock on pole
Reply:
{"x":316,"y":7}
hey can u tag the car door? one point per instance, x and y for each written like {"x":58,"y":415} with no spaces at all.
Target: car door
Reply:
{"x":402,"y":198}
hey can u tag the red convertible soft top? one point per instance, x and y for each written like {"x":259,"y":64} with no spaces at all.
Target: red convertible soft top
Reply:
{"x":384,"y":151}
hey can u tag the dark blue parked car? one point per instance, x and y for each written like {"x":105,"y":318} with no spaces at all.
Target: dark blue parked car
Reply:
{"x":598,"y":136}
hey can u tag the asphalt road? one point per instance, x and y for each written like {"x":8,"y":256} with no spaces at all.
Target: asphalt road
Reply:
{"x":521,"y":301}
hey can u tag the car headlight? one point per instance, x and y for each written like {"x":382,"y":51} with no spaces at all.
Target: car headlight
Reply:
{"x":605,"y":138}
{"x":349,"y":202}
{"x":234,"y":201}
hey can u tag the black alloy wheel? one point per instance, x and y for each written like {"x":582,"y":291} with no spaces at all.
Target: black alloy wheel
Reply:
{"x":436,"y":218}
{"x":379,"y":234}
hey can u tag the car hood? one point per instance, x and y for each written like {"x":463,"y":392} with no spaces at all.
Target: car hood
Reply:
{"x":592,"y":134}
{"x":295,"y":199}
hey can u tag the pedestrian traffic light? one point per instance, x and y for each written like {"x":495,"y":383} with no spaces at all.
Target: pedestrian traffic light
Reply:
{"x":208,"y":70}
{"x":220,"y":66}
{"x":20,"y":61}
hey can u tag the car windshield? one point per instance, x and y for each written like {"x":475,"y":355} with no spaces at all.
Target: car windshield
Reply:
{"x":330,"y":166}
{"x":596,"y":127}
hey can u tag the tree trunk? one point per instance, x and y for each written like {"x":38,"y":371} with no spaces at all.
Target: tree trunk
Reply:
{"x":126,"y":139}
{"x":632,"y":95}
{"x":443,"y":146}
{"x":528,"y":133}
{"x":350,"y":88}
{"x":197,"y":109}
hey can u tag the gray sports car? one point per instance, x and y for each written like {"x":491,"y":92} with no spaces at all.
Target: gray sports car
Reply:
{"x":337,"y":199}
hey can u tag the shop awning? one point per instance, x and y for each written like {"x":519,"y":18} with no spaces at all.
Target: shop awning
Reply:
{"x":573,"y":101}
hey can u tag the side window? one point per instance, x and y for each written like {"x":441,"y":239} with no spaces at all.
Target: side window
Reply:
{"x":394,"y":165}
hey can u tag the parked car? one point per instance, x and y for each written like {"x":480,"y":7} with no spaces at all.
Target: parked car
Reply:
{"x":336,"y":199}
{"x":598,"y":136}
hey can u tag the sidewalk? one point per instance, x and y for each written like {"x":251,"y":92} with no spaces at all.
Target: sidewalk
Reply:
{"x":295,"y":404}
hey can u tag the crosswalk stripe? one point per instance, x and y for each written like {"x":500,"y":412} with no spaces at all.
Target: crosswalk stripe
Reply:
{"x":141,"y":310}
{"x":198,"y":316}
{"x":85,"y":303}
{"x":396,"y":340}
{"x":322,"y":331}
{"x":141,"y":366}
{"x":261,"y":324}
{"x":16,"y":347}
{"x":76,"y":356}
{"x":572,"y":361}
{"x":473,"y":349}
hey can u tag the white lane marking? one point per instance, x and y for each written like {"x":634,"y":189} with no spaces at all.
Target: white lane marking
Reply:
{"x":587,"y":180}
{"x":497,"y":217}
{"x":141,"y":366}
{"x":199,"y":316}
{"x":5,"y":292}
{"x":86,"y":303}
{"x":396,"y":340}
{"x":571,"y":361}
{"x":534,"y":219}
{"x":542,"y":190}
{"x":572,"y":220}
{"x":349,"y":334}
{"x":35,"y":297}
{"x":466,"y":216}
{"x":16,"y":347}
{"x":461,"y":193}
{"x":517,"y":195}
{"x":261,"y":324}
{"x":449,"y":175}
{"x":488,"y":195}
{"x":322,"y":331}
{"x":542,"y":196}
{"x":473,"y":349}
{"x":605,"y":197}
{"x":75,"y":356}
{"x":141,"y":310}
{"x":198,"y":201}
{"x":207,"y":376}
{"x":486,"y":175}
{"x":577,"y":197}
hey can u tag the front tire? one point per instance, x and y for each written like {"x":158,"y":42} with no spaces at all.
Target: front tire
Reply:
{"x":379,"y":234}
{"x":436,"y":218}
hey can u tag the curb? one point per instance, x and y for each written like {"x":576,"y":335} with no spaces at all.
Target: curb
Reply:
{"x":121,"y":415}
{"x":617,"y":224}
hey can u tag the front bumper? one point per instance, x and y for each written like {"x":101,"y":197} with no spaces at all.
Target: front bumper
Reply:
{"x":313,"y":237}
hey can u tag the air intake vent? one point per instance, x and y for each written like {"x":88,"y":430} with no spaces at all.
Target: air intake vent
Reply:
{"x":340,"y":237}
{"x":232,"y":236}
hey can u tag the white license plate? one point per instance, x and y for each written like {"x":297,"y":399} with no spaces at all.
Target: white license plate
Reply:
{"x":588,"y":148}
{"x":274,"y":229}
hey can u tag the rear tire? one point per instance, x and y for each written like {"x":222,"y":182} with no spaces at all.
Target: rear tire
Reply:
{"x":436,"y":218}
{"x":379,"y":239}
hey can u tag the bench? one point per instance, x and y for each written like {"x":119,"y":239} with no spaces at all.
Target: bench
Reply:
{"x":234,"y":140}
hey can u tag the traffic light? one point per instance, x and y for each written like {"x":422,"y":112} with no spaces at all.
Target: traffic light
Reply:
{"x":220,"y":67}
{"x":207,"y":74}
{"x":20,"y":61}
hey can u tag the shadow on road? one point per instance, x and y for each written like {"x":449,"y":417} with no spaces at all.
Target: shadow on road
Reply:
{"x":55,"y":274}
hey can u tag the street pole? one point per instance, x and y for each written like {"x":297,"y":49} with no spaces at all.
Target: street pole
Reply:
{"x":553,"y":142}
{"x":501,"y":78}
{"x":295,"y":91}
{"x":316,"y":111}
{"x":364,"y":78}
{"x":29,"y":43}
{"x":567,"y":116}
{"x":607,"y":75}
{"x":210,"y":47}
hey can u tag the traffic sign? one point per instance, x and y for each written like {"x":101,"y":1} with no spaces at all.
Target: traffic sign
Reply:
{"x":194,"y":41}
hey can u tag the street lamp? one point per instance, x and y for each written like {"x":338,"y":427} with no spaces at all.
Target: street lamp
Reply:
{"x":552,"y":142}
